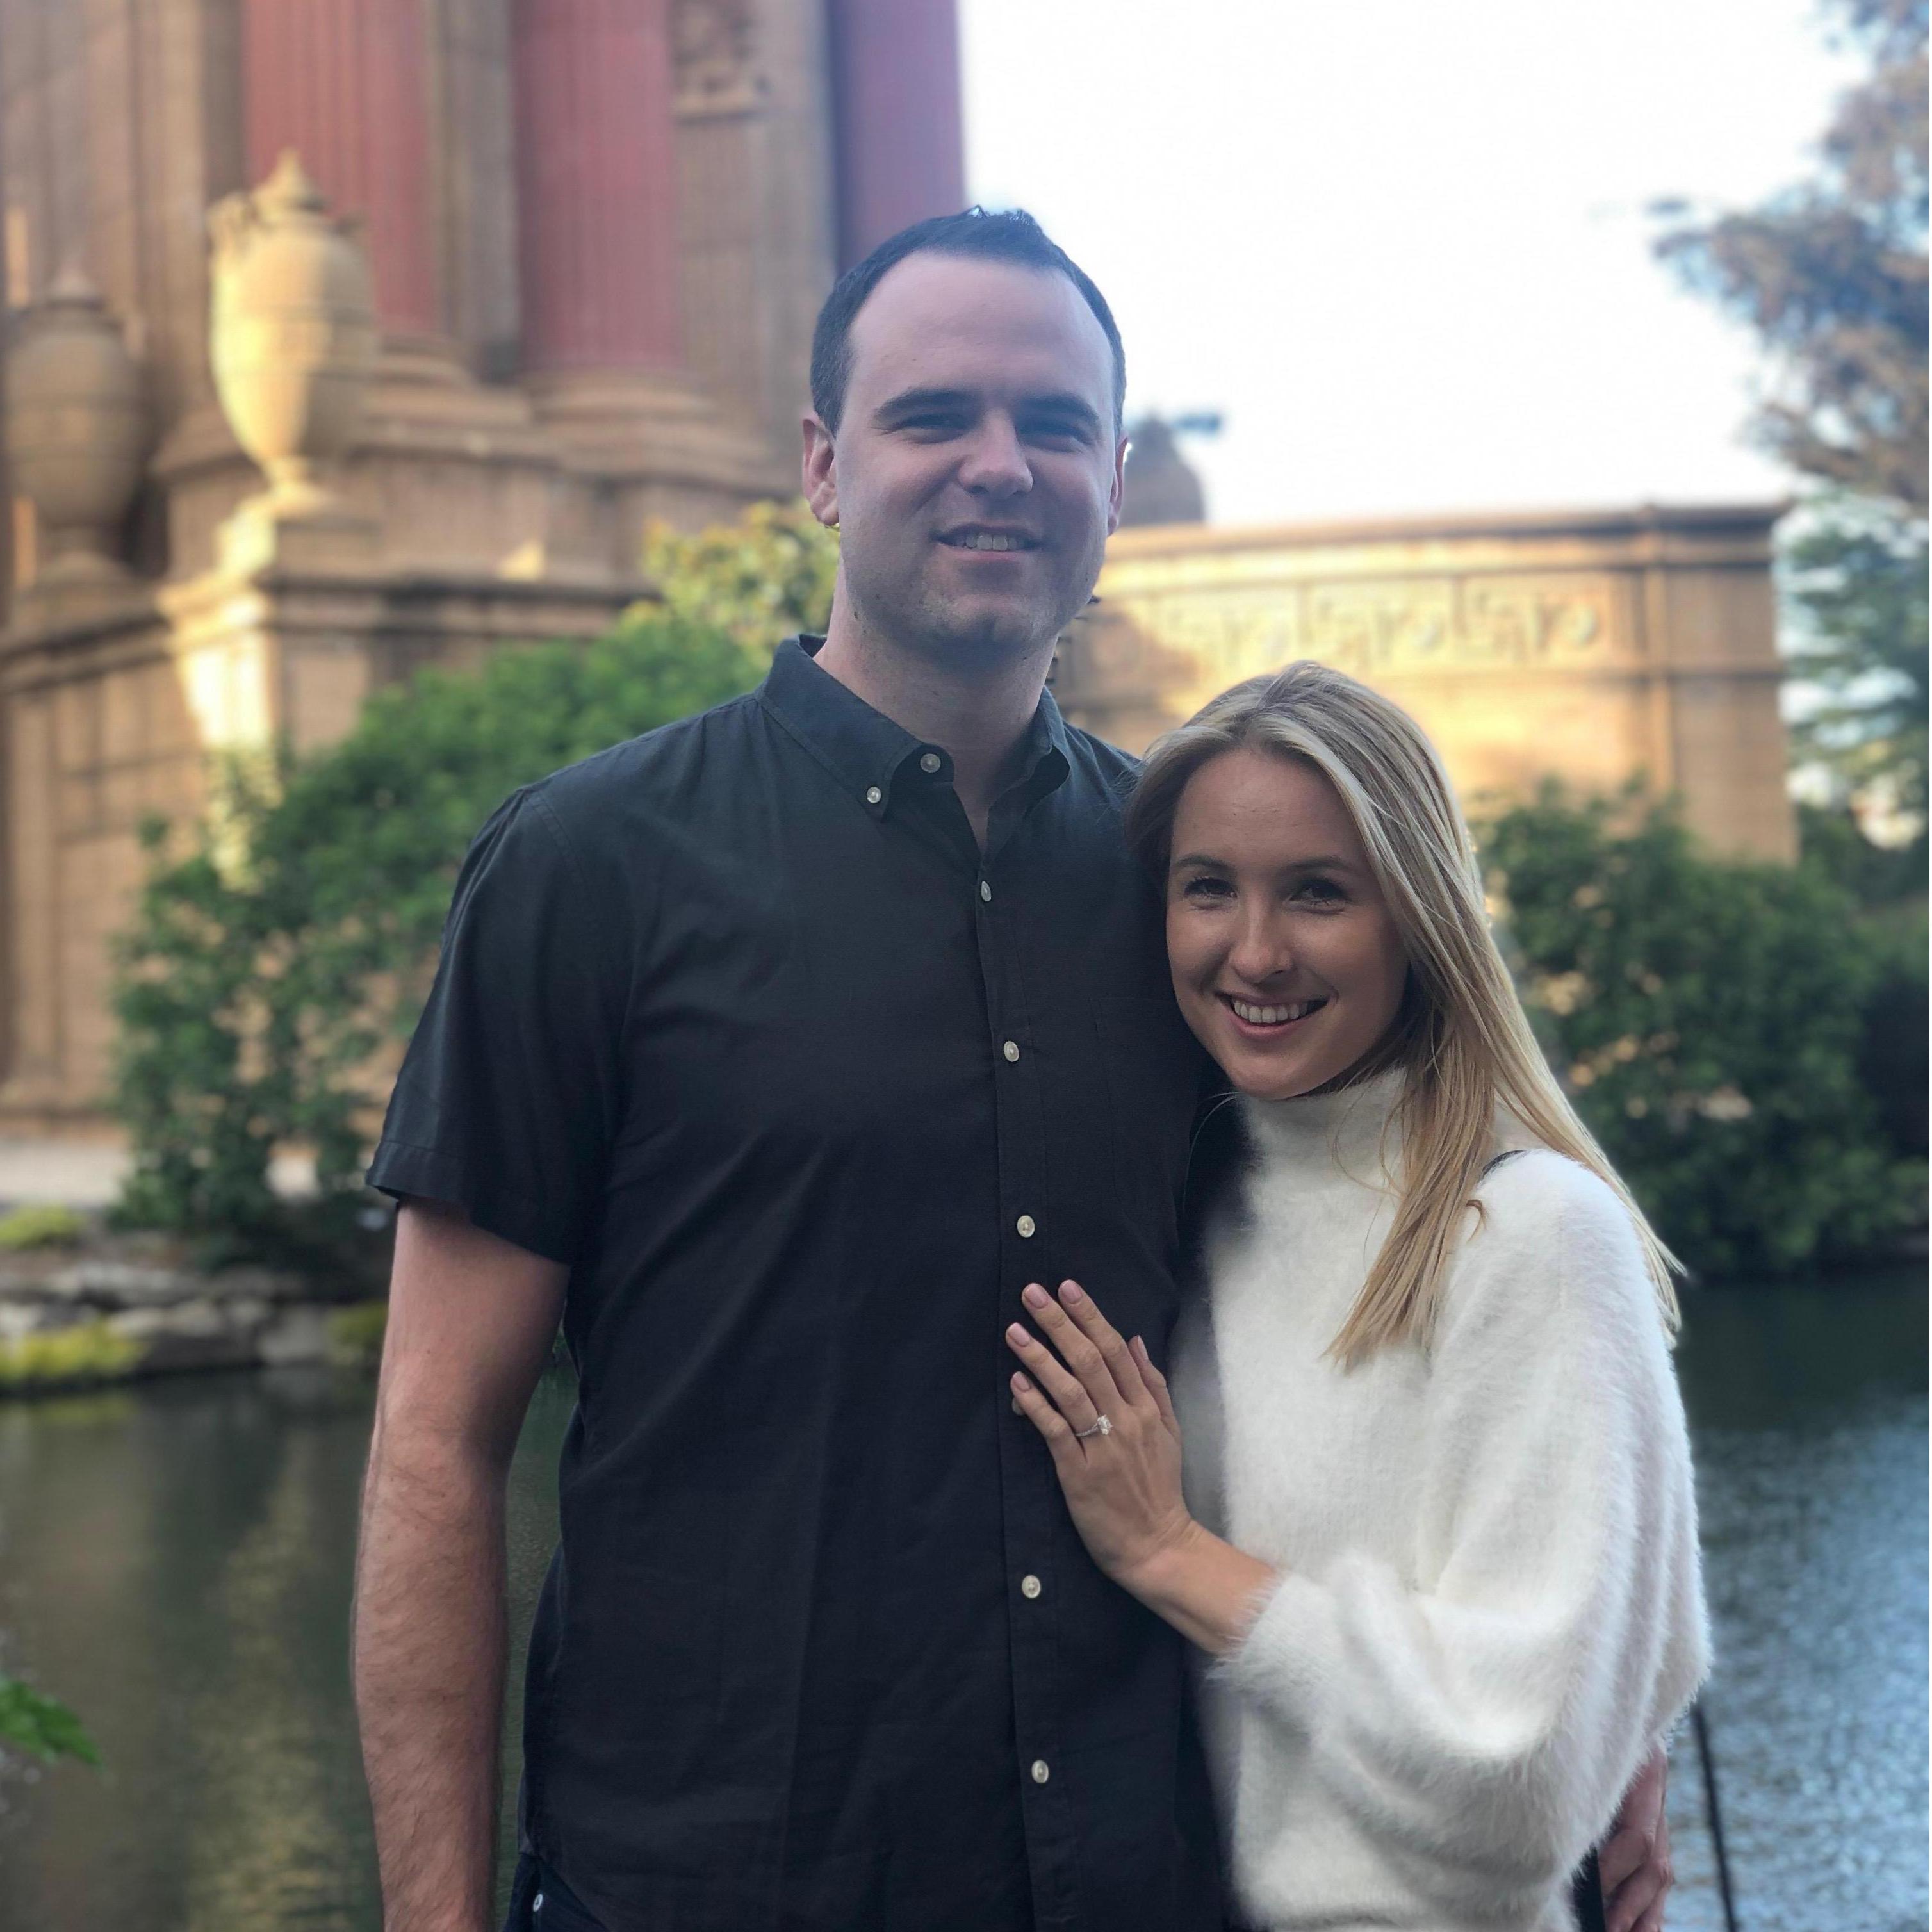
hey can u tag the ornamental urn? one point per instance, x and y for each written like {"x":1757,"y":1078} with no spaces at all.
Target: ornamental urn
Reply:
{"x":292,"y":332}
{"x":77,"y":429}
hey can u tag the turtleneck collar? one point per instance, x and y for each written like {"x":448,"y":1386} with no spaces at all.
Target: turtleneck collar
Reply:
{"x":1349,"y":1128}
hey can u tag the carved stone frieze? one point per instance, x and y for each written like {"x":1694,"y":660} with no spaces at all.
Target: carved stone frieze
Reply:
{"x":1373,"y":628}
{"x":713,"y":43}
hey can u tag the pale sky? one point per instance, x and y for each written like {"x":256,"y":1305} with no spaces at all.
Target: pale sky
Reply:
{"x":1401,"y":244}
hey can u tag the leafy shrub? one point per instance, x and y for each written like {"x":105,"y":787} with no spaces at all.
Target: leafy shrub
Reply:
{"x":758,"y":580}
{"x":43,"y":1726}
{"x":40,"y":1226}
{"x":356,"y":1332}
{"x":272,"y":971}
{"x":1708,"y":1016}
{"x":88,"y":1352}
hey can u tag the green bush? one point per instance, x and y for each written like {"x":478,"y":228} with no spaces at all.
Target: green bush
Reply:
{"x":40,"y":1226}
{"x":1708,"y":1017}
{"x":270,"y":971}
{"x":88,"y":1352}
{"x":43,"y":1726}
{"x":758,"y":580}
{"x":356,"y":1332}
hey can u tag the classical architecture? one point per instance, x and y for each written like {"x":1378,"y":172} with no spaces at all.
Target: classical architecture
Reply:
{"x":347,"y":335}
{"x":1591,"y":646}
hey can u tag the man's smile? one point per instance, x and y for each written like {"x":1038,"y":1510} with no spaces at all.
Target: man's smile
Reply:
{"x":987,"y":537}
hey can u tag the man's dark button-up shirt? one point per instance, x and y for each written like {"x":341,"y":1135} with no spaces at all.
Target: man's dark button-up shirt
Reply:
{"x":738,"y":1021}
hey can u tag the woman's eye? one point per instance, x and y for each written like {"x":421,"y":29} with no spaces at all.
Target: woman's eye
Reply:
{"x":1206,"y":889}
{"x":1319,"y":892}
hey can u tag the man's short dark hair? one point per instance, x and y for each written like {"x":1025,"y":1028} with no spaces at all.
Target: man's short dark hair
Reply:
{"x":1003,"y":235}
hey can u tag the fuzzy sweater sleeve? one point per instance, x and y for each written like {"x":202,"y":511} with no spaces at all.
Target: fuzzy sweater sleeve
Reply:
{"x":1481,"y":1722}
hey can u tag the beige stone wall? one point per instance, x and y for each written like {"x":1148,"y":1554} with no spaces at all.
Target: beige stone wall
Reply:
{"x":481,"y":506}
{"x":1591,"y":648}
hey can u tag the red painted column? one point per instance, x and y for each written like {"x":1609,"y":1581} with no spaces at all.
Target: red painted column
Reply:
{"x":895,"y":102}
{"x":596,"y":185}
{"x":345,"y":83}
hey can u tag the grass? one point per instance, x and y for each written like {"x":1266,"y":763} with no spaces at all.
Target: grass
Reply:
{"x":89,"y":1352}
{"x":47,"y":1226}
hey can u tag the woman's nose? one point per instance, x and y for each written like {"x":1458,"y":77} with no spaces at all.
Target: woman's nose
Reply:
{"x":1260,"y":951}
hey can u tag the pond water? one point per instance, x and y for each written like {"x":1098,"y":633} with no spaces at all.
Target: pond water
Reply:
{"x":174,"y":1561}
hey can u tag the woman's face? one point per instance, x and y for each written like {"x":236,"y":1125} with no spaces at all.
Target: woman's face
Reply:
{"x":1286,"y":960}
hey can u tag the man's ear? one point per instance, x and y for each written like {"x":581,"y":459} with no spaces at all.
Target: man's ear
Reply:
{"x":1118,"y":485}
{"x":820,"y":472}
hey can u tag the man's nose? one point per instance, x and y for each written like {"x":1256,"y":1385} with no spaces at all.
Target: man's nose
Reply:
{"x":994,"y":462}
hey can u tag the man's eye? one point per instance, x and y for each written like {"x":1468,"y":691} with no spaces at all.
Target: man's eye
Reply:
{"x":1056,"y":431}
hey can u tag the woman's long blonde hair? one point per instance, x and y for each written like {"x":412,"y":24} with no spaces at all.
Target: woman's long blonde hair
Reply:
{"x":1462,"y":1032}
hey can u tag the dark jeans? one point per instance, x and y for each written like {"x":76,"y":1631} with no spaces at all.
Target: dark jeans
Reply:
{"x":540,"y":1901}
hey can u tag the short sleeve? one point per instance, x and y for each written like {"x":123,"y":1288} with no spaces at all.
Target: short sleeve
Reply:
{"x":507,"y":1102}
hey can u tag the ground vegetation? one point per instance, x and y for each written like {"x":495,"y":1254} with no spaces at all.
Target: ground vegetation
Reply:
{"x":1724,"y":1026}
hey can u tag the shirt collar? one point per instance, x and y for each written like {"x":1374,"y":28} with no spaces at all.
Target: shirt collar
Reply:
{"x":866,"y":752}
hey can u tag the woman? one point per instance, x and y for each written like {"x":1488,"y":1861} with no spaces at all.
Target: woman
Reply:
{"x":1438,"y":1534}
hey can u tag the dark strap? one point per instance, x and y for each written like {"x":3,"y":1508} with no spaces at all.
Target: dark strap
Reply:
{"x":1587,"y":1895}
{"x":1490,"y":1166}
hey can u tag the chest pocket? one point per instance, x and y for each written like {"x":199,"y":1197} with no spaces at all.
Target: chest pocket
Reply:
{"x":1154,"y":1067}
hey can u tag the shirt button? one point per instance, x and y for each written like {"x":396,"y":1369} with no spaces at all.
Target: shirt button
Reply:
{"x":1040,"y":1772}
{"x":1026,"y":1225}
{"x":986,"y":892}
{"x":931,"y":762}
{"x":1011,"y":1049}
{"x":1029,"y":1587}
{"x":873,"y":795}
{"x":536,"y":1903}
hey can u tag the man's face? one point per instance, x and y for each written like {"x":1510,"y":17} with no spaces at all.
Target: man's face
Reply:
{"x":975,"y":475}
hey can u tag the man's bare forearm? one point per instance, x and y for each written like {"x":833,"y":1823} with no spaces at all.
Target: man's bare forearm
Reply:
{"x":429,"y":1645}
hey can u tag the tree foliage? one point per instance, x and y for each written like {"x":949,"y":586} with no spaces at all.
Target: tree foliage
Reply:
{"x":1709,"y":1017}
{"x":272,"y":971}
{"x":1831,"y":273}
{"x":43,"y":1727}
{"x":758,"y":580}
{"x":1855,"y":585}
{"x":274,"y":968}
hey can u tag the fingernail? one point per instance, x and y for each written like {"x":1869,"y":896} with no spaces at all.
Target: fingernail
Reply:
{"x":1020,"y":1383}
{"x":1017,"y":1334}
{"x":1034,"y":1296}
{"x":1069,"y":1290}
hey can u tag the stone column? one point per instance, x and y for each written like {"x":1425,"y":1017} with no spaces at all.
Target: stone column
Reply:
{"x":895,"y":92}
{"x":596,"y":185}
{"x":597,"y":210}
{"x":344,"y":83}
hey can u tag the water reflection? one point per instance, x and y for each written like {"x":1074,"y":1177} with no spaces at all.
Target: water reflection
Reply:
{"x":175,"y":1560}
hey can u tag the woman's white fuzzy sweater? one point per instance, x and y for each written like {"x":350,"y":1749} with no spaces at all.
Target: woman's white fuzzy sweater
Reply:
{"x":1490,"y":1607}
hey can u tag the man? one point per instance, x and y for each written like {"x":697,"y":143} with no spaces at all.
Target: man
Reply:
{"x":775,"y":1052}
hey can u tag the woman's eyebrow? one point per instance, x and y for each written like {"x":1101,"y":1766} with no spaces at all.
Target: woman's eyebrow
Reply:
{"x":1328,"y":862}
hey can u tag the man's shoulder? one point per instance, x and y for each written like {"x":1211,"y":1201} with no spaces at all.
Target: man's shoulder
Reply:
{"x":654,"y":772}
{"x":1114,"y":768}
